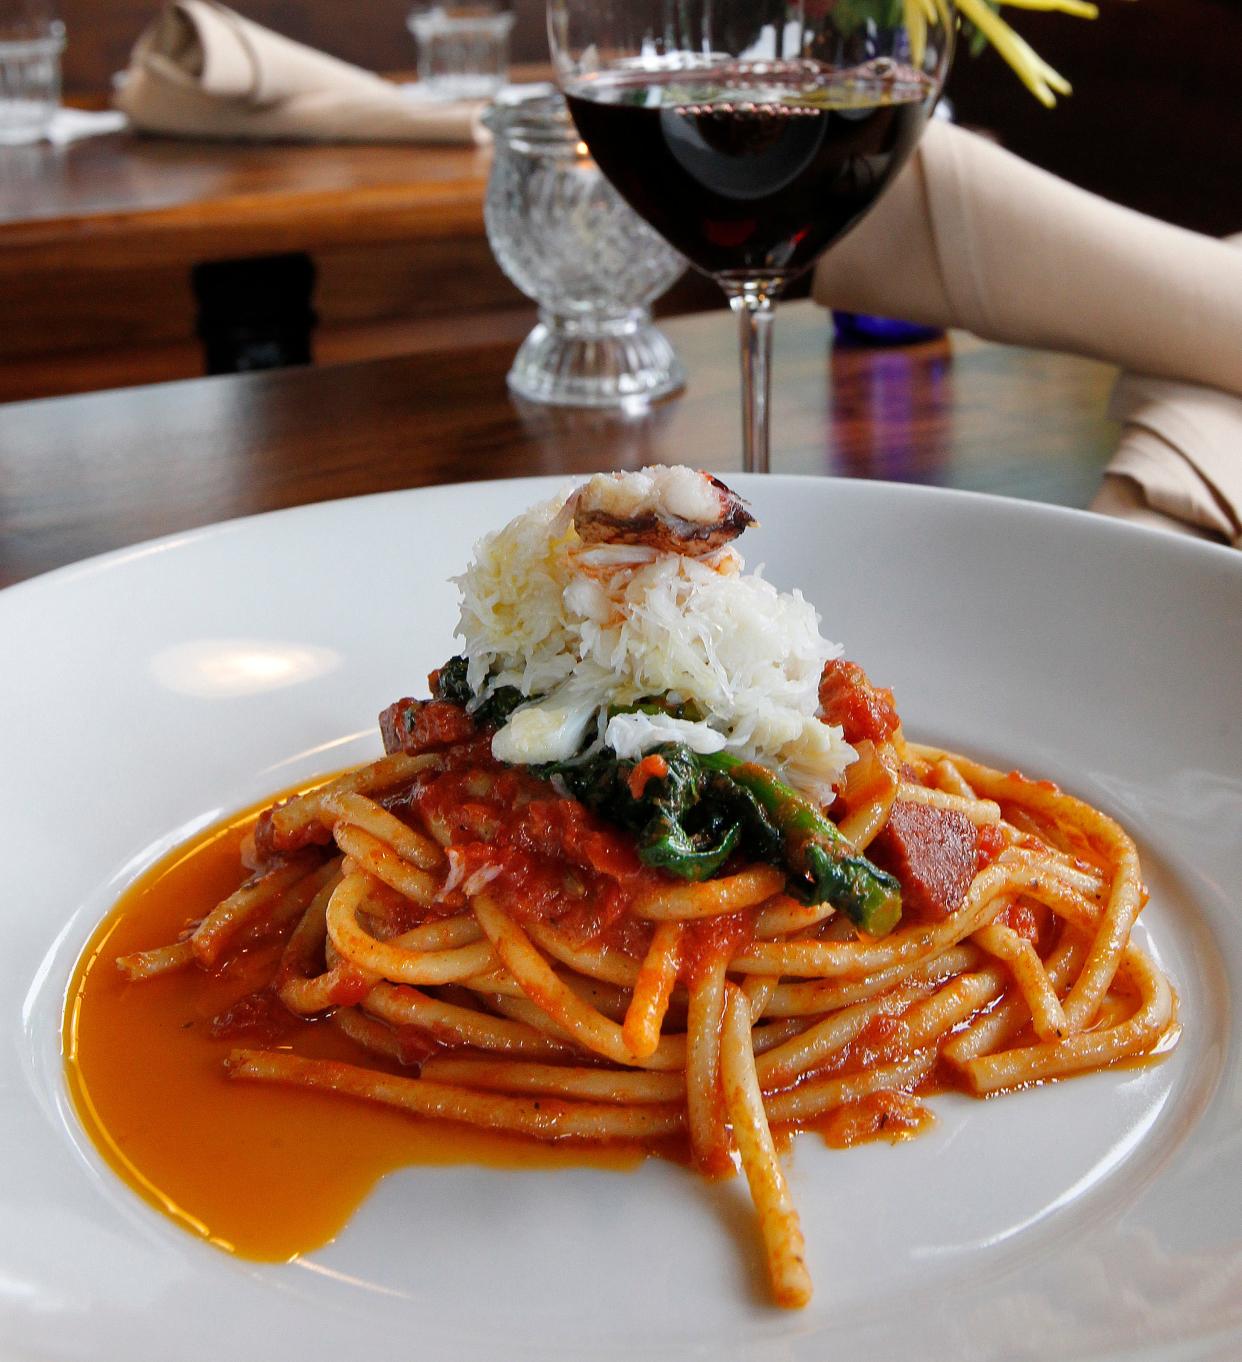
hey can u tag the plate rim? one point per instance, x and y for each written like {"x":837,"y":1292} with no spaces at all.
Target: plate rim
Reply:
{"x":109,"y":559}
{"x":114,"y":559}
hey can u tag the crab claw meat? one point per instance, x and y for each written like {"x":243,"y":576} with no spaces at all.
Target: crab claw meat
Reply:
{"x":668,"y":509}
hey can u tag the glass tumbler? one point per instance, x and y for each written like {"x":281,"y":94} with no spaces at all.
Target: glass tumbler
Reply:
{"x":463,"y":47}
{"x":566,"y":238}
{"x":31,"y":42}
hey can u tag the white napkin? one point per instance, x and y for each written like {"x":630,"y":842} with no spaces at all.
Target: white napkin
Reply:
{"x":71,"y":125}
{"x":970,"y":235}
{"x":202,"y":70}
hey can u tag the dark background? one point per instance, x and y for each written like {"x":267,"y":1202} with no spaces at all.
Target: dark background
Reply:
{"x":1155,"y":121}
{"x":1153,"y":124}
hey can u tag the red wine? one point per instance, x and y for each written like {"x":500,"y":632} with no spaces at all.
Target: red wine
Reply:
{"x":752,"y":178}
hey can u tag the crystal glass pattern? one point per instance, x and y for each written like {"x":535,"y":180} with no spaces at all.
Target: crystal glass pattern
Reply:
{"x":564,"y":236}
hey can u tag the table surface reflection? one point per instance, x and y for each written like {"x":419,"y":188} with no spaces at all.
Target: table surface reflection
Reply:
{"x":85,"y":474}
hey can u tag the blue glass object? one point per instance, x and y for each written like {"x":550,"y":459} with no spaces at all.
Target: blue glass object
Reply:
{"x":857,"y":328}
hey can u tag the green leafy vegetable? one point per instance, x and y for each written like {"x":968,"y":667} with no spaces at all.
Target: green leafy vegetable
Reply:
{"x":451,"y":684}
{"x":815,"y":851}
{"x":689,"y":821}
{"x":675,"y":829}
{"x":661,"y":704}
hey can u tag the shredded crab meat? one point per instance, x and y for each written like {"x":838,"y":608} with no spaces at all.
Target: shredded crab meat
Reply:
{"x":585,"y":625}
{"x":457,"y":878}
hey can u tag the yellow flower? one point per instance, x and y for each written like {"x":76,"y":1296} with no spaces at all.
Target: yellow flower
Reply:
{"x":1042,"y":80}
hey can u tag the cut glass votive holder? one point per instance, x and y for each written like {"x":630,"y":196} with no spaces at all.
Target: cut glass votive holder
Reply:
{"x":568,"y":240}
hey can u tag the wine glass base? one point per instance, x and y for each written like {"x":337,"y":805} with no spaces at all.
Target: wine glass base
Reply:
{"x":594,"y":362}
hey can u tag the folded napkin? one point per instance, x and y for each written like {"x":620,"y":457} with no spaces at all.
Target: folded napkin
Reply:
{"x":1179,"y":463}
{"x":201,"y":70}
{"x":972,"y":236}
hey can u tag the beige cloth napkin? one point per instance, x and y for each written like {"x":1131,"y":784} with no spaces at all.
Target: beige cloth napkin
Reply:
{"x":971,"y":236}
{"x":201,"y":70}
{"x":1179,"y":462}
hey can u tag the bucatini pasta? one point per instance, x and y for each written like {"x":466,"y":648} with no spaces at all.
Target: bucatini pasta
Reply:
{"x":654,"y":865}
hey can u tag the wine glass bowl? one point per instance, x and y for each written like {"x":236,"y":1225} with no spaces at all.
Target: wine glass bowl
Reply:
{"x":751,"y":134}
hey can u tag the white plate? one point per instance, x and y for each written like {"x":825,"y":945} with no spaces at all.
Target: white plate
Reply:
{"x":150,"y":691}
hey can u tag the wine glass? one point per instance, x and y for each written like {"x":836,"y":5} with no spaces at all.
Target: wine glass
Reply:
{"x":751,"y":134}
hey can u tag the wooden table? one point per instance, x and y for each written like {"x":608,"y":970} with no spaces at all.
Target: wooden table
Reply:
{"x":97,"y":240}
{"x":168,"y":200}
{"x":81,"y":475}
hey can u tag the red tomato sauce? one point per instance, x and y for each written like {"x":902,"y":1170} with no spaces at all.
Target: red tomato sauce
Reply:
{"x":891,"y":1116}
{"x":548,"y":857}
{"x":712,"y":938}
{"x":264,"y":1171}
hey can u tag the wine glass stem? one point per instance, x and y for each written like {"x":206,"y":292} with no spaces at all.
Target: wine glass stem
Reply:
{"x":755,"y":306}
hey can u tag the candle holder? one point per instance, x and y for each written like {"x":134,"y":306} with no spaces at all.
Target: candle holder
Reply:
{"x":565,"y":237}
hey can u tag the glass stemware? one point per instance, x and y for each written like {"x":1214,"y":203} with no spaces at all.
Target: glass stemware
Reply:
{"x":751,"y":134}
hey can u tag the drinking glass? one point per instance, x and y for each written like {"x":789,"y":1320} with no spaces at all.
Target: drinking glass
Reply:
{"x":751,"y":134}
{"x":31,"y":41}
{"x":463,"y":47}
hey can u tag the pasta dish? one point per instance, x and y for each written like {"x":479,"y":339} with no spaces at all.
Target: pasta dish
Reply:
{"x":653,"y":864}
